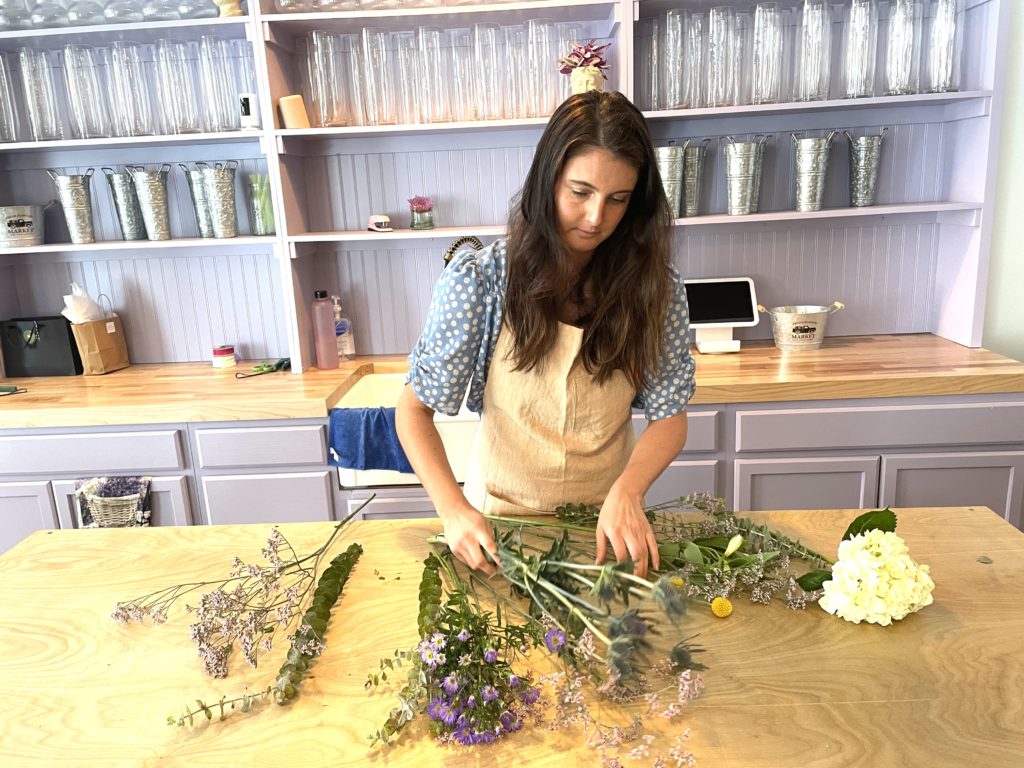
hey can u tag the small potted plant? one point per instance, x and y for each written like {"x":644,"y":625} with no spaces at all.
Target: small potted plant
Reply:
{"x":585,"y":66}
{"x":422,"y":209}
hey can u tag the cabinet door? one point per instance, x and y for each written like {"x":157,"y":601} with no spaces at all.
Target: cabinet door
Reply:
{"x":169,"y":503}
{"x":994,"y":480}
{"x":287,"y":497}
{"x":393,"y":509}
{"x":843,"y":482}
{"x":683,"y":478}
{"x":24,"y":508}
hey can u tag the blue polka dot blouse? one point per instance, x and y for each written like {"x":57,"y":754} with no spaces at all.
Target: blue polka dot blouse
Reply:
{"x":464,"y":320}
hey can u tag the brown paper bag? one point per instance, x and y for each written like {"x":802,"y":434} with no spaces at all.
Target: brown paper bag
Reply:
{"x":101,"y":344}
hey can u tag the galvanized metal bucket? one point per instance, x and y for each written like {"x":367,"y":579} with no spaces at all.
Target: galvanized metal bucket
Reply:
{"x":671,"y":160}
{"x":21,"y":226}
{"x":220,"y":189}
{"x":810,"y":167}
{"x":126,"y":203}
{"x":865,"y":154}
{"x":76,"y":199}
{"x":151,"y":187}
{"x":693,"y":177}
{"x":744,"y":161}
{"x":800,"y":327}
{"x":200,"y":199}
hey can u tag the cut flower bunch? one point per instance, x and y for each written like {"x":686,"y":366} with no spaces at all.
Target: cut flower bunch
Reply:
{"x":875,"y":579}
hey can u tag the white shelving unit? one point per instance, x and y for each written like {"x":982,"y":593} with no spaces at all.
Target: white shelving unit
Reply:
{"x":916,"y":262}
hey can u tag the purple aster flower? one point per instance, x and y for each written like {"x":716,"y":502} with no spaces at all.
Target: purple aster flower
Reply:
{"x":465,"y":660}
{"x":437,"y":641}
{"x":429,"y":657}
{"x":510,"y":721}
{"x":529,"y":696}
{"x":555,"y":640}
{"x":471,"y":702}
{"x":513,"y":681}
{"x":463,"y":635}
{"x":490,"y":655}
{"x":434,"y":708}
{"x":447,"y":713}
{"x":489,"y":693}
{"x":451,"y":684}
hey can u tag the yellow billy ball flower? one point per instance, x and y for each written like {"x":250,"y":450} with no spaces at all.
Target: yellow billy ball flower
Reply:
{"x":721,"y":607}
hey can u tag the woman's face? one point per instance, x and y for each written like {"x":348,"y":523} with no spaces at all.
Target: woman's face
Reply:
{"x":591,"y":197}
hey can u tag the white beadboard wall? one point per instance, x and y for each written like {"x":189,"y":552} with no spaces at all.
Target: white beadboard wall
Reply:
{"x":883,"y":272}
{"x":468,"y":185}
{"x":174,"y":309}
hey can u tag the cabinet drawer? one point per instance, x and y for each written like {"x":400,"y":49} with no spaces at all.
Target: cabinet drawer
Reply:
{"x":882,"y":426}
{"x":684,"y":478}
{"x":261,"y":446}
{"x":841,"y":482}
{"x":701,"y":430}
{"x":394,"y":509}
{"x":100,"y":452}
{"x":287,"y":497}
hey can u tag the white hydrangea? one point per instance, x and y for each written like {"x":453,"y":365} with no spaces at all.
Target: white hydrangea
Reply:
{"x":874,"y":580}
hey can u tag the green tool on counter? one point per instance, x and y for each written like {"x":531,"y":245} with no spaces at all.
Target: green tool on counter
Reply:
{"x":284,"y":364}
{"x":8,"y":389}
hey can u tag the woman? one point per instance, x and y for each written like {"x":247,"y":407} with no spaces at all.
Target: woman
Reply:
{"x":557,"y":331}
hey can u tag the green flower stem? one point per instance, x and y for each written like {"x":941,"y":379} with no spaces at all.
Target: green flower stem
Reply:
{"x":560,"y":597}
{"x":528,"y":523}
{"x":583,"y":580}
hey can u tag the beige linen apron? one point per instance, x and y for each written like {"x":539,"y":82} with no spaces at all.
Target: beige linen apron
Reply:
{"x":548,"y":436}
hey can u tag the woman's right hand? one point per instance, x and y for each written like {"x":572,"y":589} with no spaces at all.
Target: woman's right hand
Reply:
{"x":469,"y":536}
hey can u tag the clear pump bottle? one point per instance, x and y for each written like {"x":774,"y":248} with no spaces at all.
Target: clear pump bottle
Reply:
{"x":323,"y":332}
{"x":343,"y":332}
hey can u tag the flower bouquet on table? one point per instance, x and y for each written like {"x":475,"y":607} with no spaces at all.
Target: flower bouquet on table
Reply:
{"x":585,"y":64}
{"x":874,"y":579}
{"x":475,"y":675}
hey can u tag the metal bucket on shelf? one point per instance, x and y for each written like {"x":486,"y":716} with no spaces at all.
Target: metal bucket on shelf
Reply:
{"x":671,"y":161}
{"x":220,"y":190}
{"x":810,"y":167}
{"x":693,"y":177}
{"x":865,"y":153}
{"x":200,"y":198}
{"x":800,"y":327}
{"x":151,"y":187}
{"x":76,"y":199}
{"x":21,"y":226}
{"x":744,"y":162}
{"x":126,"y":204}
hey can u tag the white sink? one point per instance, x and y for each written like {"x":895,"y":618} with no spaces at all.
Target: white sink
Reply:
{"x":382,"y":390}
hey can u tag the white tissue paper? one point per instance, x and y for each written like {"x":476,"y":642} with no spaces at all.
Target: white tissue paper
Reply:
{"x":80,"y":307}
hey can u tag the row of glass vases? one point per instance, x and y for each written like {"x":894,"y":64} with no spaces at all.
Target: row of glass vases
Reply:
{"x":35,"y":14}
{"x":317,"y":6}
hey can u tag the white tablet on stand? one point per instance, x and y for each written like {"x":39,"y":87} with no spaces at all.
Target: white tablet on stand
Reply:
{"x":717,"y":305}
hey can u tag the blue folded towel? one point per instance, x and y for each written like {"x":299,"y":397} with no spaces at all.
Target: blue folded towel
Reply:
{"x":365,"y":438}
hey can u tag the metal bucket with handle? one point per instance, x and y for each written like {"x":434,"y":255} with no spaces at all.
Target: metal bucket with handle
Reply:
{"x":799,"y":327}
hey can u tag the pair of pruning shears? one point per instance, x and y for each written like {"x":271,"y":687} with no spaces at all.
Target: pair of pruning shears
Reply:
{"x":10,"y":390}
{"x":284,"y":364}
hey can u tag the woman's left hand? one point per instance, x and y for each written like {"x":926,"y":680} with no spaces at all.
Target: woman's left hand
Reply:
{"x":623,"y":523}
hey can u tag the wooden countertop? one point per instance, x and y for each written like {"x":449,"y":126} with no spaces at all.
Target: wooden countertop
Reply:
{"x":783,"y":688}
{"x":845,"y":367}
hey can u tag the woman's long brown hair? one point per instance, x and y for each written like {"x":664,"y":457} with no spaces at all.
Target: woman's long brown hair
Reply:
{"x":629,"y":272}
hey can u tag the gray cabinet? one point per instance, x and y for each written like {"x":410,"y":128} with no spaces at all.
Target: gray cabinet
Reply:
{"x":684,"y":478}
{"x":391,"y":503}
{"x":849,"y":482}
{"x":168,"y":496}
{"x":275,"y":497}
{"x":24,"y":508}
{"x":993,"y":479}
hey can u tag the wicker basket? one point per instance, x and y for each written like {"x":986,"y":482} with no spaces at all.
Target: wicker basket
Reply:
{"x":116,"y":511}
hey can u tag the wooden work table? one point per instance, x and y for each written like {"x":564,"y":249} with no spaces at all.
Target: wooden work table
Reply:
{"x":845,"y":367}
{"x":783,"y":688}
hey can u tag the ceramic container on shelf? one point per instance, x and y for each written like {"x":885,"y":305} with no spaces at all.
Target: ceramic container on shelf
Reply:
{"x":583,"y":79}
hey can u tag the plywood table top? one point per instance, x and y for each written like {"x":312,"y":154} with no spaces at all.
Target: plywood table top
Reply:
{"x":784,"y":688}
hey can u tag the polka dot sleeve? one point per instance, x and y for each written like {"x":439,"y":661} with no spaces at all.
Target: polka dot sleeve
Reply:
{"x":672,"y":386}
{"x":443,"y":360}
